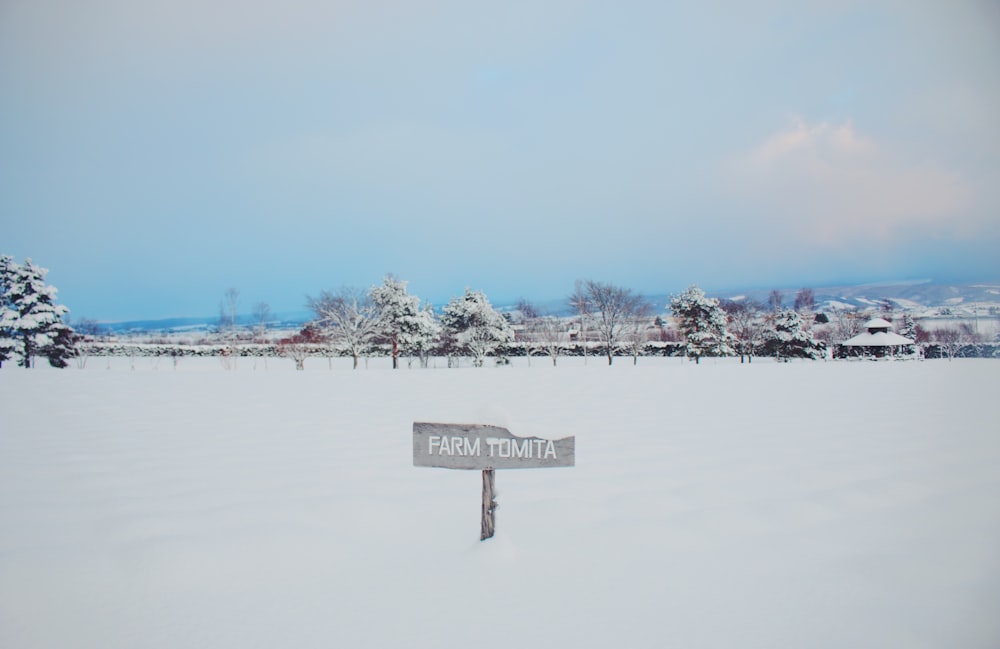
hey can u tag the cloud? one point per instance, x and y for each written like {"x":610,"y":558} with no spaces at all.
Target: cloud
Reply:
{"x":828,"y":183}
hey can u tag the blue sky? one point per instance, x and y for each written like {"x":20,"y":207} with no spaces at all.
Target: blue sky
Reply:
{"x":154,"y":154}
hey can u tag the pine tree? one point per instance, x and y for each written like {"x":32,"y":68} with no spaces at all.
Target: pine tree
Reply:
{"x":912,"y":331}
{"x":703,"y":323}
{"x":30,"y":318}
{"x":788,"y":338}
{"x":402,"y":322}
{"x":909,"y":328}
{"x":63,"y":345}
{"x":476,"y":325}
{"x":8,"y":316}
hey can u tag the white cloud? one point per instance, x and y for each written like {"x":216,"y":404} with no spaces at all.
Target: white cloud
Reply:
{"x":829,"y":183}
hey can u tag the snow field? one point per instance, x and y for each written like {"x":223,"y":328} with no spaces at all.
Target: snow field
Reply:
{"x":848,"y":504}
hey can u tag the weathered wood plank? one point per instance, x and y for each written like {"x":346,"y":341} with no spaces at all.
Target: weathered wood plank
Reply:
{"x":489,"y":521}
{"x":478,"y":446}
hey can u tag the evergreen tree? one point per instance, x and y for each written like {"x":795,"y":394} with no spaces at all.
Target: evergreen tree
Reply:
{"x":909,"y":328}
{"x":426,"y":331}
{"x":30,"y":319}
{"x":8,"y":316}
{"x":476,"y":325}
{"x":788,"y":338}
{"x":703,"y":324}
{"x":63,"y":345}
{"x":402,"y":322}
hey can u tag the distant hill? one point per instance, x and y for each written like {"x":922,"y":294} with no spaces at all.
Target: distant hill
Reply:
{"x":916,"y":296}
{"x":922,"y":298}
{"x":196,"y":324}
{"x":904,"y":296}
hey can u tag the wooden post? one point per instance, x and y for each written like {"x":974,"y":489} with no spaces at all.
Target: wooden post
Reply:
{"x":485,"y":448}
{"x":488,"y":523}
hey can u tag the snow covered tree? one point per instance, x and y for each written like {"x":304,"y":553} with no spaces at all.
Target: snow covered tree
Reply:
{"x":350,"y":316}
{"x":909,"y":328}
{"x":427,"y":330}
{"x":299,"y":346}
{"x":788,"y":337}
{"x":30,"y":320}
{"x":949,"y":340}
{"x":475,"y":325}
{"x":401,"y":321}
{"x":62,"y":346}
{"x":702,"y":322}
{"x":847,"y":323}
{"x":8,"y":315}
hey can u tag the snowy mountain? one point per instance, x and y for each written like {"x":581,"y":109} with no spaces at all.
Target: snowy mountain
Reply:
{"x":923,"y":297}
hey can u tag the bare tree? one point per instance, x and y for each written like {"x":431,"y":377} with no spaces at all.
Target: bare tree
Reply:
{"x":261,"y":315}
{"x":971,"y":336}
{"x":847,"y":323}
{"x":299,"y":346}
{"x":774,"y":299}
{"x":350,"y":316}
{"x":528,"y":310}
{"x":527,"y":335}
{"x":84,"y":330}
{"x":639,"y":321}
{"x":580,"y":300}
{"x":87,"y":327}
{"x":227,"y":326}
{"x":747,"y":324}
{"x":553,"y":336}
{"x":805,"y":300}
{"x":948,"y":339}
{"x":227,"y":311}
{"x":615,"y":307}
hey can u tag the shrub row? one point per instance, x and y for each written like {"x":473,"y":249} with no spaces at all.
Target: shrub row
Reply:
{"x":517,"y":349}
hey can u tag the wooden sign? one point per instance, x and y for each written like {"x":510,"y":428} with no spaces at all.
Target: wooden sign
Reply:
{"x":486,"y":448}
{"x":477,"y":446}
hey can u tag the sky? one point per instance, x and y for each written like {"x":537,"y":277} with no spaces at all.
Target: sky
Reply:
{"x":155,"y":154}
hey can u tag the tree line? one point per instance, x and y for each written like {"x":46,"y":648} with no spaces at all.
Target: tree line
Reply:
{"x":610,"y":320}
{"x":386,"y":319}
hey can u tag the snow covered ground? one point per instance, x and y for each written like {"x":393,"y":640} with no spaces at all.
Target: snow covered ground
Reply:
{"x":811,"y":504}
